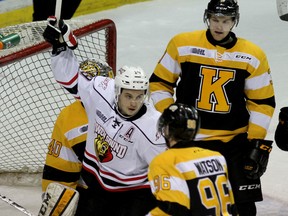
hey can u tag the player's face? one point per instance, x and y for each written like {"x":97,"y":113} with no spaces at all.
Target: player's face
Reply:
{"x":220,"y":26}
{"x":130,"y":101}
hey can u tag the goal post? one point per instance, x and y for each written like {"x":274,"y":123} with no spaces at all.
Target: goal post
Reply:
{"x":30,"y":97}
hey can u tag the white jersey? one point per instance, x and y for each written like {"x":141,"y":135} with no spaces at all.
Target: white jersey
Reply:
{"x":118,"y":150}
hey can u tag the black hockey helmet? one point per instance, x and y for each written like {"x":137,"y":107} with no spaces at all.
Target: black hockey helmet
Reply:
{"x":179,"y":121}
{"x":222,"y":8}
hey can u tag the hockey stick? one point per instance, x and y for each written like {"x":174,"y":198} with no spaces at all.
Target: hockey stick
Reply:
{"x":282,"y":9}
{"x":15,"y":205}
{"x":58,"y":7}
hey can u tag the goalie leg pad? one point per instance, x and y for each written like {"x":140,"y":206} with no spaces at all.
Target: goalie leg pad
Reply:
{"x":59,"y":200}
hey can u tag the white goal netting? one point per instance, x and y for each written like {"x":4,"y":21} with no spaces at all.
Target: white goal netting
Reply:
{"x":30,"y":98}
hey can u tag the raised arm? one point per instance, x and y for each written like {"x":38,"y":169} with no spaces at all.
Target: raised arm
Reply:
{"x":63,"y":61}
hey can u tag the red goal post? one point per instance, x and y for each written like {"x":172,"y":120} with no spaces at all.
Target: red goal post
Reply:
{"x":30,"y":98}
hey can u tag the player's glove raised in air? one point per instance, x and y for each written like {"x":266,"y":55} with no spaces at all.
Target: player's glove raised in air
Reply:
{"x":255,"y":163}
{"x":281,"y":133}
{"x":59,"y":37}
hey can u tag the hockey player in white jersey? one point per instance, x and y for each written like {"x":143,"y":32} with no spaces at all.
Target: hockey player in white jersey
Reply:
{"x":122,"y":136}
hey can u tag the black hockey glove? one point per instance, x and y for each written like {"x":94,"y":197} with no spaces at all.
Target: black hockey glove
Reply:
{"x":67,"y":34}
{"x":61,"y":37}
{"x":255,"y":163}
{"x":283,"y":115}
{"x":281,"y":133}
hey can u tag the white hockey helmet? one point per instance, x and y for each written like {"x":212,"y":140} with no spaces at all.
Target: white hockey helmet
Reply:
{"x":133,"y":78}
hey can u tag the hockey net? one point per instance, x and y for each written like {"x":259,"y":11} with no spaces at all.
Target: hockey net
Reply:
{"x":30,"y":98}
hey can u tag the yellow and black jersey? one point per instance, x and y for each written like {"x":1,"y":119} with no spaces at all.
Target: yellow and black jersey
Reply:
{"x":230,"y":86}
{"x":191,"y":181}
{"x":66,"y":148}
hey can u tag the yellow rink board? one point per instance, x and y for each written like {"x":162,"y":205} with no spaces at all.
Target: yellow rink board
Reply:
{"x":24,"y":14}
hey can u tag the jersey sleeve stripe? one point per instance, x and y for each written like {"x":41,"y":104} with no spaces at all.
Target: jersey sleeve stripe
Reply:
{"x":260,"y":119}
{"x":258,"y":82}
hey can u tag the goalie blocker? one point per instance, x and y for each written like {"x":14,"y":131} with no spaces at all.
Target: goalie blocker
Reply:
{"x":59,"y":200}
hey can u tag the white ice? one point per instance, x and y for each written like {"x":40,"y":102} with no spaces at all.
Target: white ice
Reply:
{"x":144,"y":30}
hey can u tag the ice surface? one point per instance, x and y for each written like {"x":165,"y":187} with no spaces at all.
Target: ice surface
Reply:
{"x":143,"y":31}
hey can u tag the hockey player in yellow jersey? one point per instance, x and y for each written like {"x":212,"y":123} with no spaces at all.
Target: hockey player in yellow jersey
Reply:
{"x":66,"y":147}
{"x":227,"y":79}
{"x":188,"y":180}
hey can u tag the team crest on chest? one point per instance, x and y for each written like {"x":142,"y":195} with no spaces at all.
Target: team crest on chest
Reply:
{"x":103,"y":150}
{"x":106,"y":147}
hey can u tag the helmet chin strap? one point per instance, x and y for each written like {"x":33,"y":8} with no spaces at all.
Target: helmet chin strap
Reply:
{"x":119,"y":111}
{"x":123,"y":115}
{"x":117,"y":95}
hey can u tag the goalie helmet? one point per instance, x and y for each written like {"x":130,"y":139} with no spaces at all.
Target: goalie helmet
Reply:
{"x":179,"y":122}
{"x":133,"y":78}
{"x":91,"y":68}
{"x":222,"y":8}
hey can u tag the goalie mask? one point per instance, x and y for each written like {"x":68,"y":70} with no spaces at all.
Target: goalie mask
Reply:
{"x":131,"y":78}
{"x":222,"y":8}
{"x":178,"y":122}
{"x":91,"y":68}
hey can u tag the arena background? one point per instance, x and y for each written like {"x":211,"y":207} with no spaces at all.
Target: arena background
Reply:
{"x":143,"y":31}
{"x":20,"y":11}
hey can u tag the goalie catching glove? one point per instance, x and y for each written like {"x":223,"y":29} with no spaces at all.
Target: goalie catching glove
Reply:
{"x":59,"y":200}
{"x":255,"y":163}
{"x":59,"y":37}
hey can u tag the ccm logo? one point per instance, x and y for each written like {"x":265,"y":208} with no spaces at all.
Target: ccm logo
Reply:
{"x":249,"y":187}
{"x":265,"y":148}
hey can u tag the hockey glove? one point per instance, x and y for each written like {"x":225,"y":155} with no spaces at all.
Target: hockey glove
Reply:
{"x":283,"y":115}
{"x":67,"y":34}
{"x":255,"y":163}
{"x":60,"y":37}
{"x":281,"y":133}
